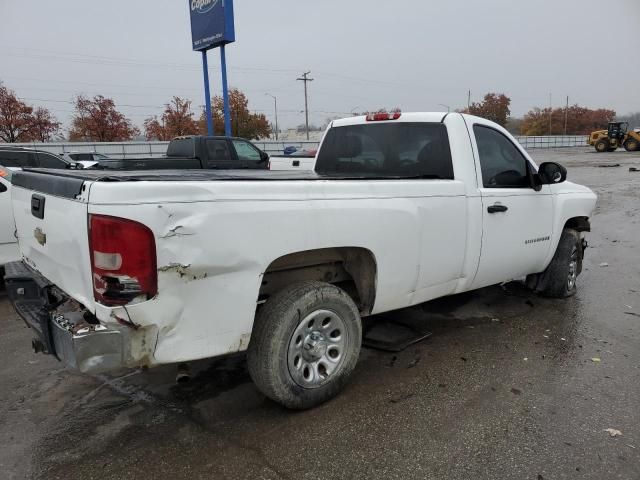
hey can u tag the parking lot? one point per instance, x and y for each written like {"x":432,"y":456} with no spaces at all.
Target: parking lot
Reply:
{"x":509,"y":386}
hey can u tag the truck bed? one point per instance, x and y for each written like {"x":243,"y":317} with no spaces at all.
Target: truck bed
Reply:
{"x":68,"y":183}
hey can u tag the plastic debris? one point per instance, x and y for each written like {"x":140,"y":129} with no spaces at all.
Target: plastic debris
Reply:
{"x":596,"y":360}
{"x":613,"y":432}
{"x":634,"y":169}
{"x":604,"y":264}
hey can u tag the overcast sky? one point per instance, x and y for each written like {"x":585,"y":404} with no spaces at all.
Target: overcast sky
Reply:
{"x":363,"y":54}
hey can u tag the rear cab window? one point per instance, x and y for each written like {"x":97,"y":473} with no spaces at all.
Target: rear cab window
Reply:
{"x":217,"y":151}
{"x":387,"y":150}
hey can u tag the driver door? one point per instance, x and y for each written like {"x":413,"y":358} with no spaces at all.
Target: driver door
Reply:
{"x":517,"y":220}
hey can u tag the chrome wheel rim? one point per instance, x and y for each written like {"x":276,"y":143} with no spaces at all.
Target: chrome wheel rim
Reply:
{"x":573,"y":270}
{"x":316,"y":351}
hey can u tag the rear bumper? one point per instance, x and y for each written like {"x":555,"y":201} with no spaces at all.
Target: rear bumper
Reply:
{"x":61,"y":326}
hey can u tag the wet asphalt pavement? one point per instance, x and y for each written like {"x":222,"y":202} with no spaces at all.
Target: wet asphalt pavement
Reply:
{"x":506,"y":388}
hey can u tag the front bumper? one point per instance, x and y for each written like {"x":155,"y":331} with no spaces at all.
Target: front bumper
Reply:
{"x":61,"y":326}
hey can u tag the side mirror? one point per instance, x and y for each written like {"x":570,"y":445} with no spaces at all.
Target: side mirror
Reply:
{"x":264,"y":156}
{"x":551,"y":173}
{"x":3,"y":188}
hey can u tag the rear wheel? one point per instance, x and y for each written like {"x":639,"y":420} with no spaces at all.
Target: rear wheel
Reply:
{"x":305,"y":344}
{"x":631,"y":145}
{"x":559,"y":279}
{"x":602,"y":145}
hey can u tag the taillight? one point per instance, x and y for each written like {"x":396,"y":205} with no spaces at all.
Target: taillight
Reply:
{"x":379,"y":117}
{"x":123,"y":260}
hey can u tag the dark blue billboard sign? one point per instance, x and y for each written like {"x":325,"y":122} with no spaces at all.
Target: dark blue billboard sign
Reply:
{"x":211,"y":23}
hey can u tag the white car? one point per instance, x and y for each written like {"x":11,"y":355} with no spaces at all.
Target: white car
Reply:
{"x":8,"y":242}
{"x":87,"y":159}
{"x":155,"y":267}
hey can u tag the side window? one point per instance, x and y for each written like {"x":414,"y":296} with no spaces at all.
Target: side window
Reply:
{"x":246,"y":151}
{"x":17,"y":159}
{"x":392,"y":150}
{"x":50,"y":161}
{"x":218,"y":150}
{"x":503,"y":166}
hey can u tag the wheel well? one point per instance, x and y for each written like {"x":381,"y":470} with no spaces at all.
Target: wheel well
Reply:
{"x":351,"y":268}
{"x":579,"y":224}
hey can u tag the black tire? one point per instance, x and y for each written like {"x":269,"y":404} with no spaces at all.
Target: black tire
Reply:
{"x":631,"y":145}
{"x":272,"y":345}
{"x":559,"y":279}
{"x":602,"y":145}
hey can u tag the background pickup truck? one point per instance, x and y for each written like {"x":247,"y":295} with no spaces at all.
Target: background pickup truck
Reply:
{"x":195,"y":153}
{"x":148,"y":268}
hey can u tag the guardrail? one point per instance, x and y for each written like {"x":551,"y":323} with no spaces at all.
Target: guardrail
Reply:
{"x":158,"y":149}
{"x":555,"y":141}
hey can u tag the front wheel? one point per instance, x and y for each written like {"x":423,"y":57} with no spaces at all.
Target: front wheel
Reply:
{"x":559,"y":279}
{"x":305,"y":344}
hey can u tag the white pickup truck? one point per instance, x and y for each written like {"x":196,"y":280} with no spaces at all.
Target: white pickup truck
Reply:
{"x":129,"y":269}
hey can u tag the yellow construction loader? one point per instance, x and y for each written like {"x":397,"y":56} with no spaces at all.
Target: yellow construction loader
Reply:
{"x":616,"y":136}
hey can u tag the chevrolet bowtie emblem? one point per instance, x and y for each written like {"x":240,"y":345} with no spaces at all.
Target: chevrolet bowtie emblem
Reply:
{"x":40,"y":236}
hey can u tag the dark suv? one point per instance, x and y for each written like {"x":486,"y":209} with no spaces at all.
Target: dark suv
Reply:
{"x":31,"y":158}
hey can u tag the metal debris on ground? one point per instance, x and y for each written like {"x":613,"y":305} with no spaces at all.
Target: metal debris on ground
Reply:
{"x":392,"y":336}
{"x":613,"y":432}
{"x":609,"y":165}
{"x":634,"y":169}
{"x":604,"y":264}
{"x":596,"y":360}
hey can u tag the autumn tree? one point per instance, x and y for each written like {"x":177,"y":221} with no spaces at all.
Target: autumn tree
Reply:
{"x":244,"y":124}
{"x":16,"y":119}
{"x":579,"y":120}
{"x":20,"y":123}
{"x":97,"y":119}
{"x":494,"y":107}
{"x":177,"y":120}
{"x":44,"y":125}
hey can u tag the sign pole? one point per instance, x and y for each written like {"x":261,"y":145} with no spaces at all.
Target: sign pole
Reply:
{"x":207,"y":93}
{"x":225,"y":92}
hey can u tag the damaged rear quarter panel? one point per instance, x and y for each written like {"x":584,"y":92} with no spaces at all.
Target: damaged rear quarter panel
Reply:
{"x":213,"y":252}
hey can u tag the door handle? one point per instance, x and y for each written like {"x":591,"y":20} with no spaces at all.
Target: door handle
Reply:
{"x":497,"y":208}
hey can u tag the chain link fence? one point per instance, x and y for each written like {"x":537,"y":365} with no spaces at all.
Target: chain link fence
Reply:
{"x":158,"y":149}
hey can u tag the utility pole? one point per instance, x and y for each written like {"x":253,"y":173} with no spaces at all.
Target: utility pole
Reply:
{"x":275,"y":104}
{"x":566,"y":116}
{"x":550,"y":113}
{"x":469,"y":101}
{"x":305,"y":78}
